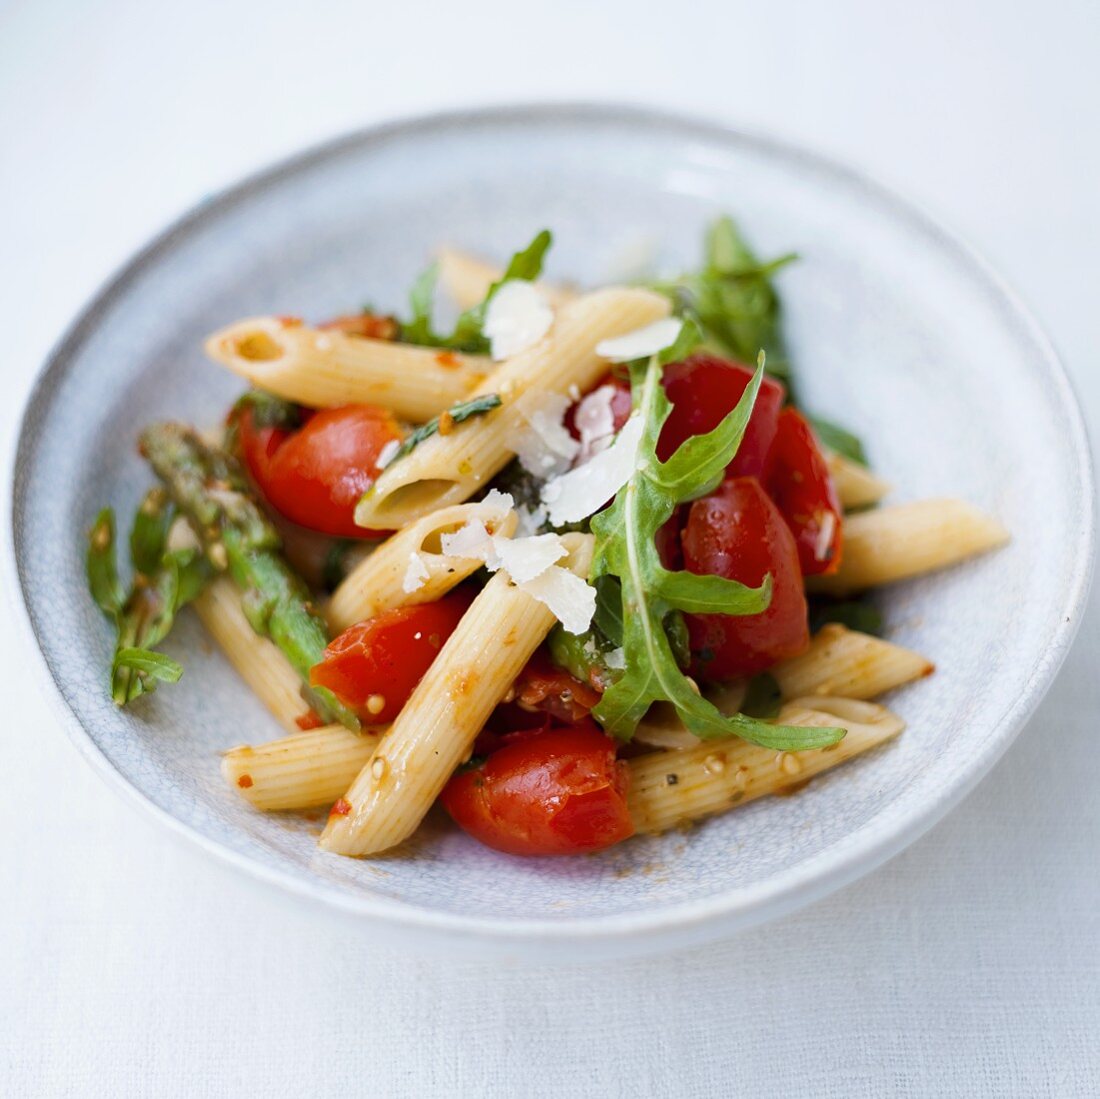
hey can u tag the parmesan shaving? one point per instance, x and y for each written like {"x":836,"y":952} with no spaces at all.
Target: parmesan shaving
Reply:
{"x":595,"y":422}
{"x":642,"y":342}
{"x":571,"y":600}
{"x":415,"y":575}
{"x":386,"y":454}
{"x":518,"y":316}
{"x":583,"y":491}
{"x":544,"y":448}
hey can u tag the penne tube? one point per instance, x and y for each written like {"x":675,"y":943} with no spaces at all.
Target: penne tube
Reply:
{"x":436,"y":729}
{"x":662,"y":727}
{"x":668,"y":789}
{"x":327,"y":368}
{"x":258,"y":661}
{"x":377,"y":583}
{"x":856,"y":485}
{"x":467,"y":279}
{"x":300,"y":771}
{"x":447,"y":469}
{"x":895,"y":543}
{"x":849,"y":664}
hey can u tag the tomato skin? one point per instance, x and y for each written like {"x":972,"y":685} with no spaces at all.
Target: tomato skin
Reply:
{"x":799,"y":482}
{"x":737,"y":532}
{"x":559,"y":792}
{"x":388,"y":655}
{"x":542,"y":685}
{"x":315,"y":476}
{"x":703,"y":389}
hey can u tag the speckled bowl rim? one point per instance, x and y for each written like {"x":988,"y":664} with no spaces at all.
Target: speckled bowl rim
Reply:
{"x":675,"y":925}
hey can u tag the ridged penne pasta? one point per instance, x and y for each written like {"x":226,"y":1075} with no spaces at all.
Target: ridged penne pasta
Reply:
{"x":448,"y":469}
{"x":668,"y":789}
{"x":326,"y":368}
{"x":300,"y":771}
{"x":259,"y":662}
{"x":436,"y":730}
{"x":467,"y":279}
{"x":849,"y":664}
{"x":905,"y":540}
{"x":856,"y":485}
{"x":377,"y":583}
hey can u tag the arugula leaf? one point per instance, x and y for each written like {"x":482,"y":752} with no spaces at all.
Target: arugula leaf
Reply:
{"x":458,"y":413}
{"x":839,"y":439}
{"x":625,"y":548}
{"x":269,"y":410}
{"x":467,"y":335}
{"x":733,"y":299}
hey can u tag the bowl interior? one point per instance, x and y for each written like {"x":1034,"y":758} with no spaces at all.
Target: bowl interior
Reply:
{"x":894,"y":330}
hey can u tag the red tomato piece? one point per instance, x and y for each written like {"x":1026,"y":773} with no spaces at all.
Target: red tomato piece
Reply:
{"x":703,"y":390}
{"x":737,"y":532}
{"x":561,"y":792}
{"x":314,"y":476}
{"x":800,"y":483}
{"x":542,"y":685}
{"x":374,"y":666}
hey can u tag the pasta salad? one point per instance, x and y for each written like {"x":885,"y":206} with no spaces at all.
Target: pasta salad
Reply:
{"x":576,"y":568}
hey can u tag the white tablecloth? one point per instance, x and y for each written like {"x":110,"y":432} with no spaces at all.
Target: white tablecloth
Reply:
{"x":129,"y":965}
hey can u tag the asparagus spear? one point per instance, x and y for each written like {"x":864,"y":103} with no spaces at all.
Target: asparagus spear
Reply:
{"x":210,"y":490}
{"x":164,"y":580}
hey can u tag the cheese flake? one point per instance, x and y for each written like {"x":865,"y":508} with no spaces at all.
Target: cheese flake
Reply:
{"x":570,"y":599}
{"x":415,"y":575}
{"x":518,"y":316}
{"x":583,"y":491}
{"x":595,"y":422}
{"x":386,"y":454}
{"x":642,"y":342}
{"x":525,"y":558}
{"x":544,"y":446}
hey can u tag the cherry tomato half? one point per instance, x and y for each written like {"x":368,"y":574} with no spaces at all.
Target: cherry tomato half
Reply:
{"x":703,"y":390}
{"x":374,"y":666}
{"x":315,"y":475}
{"x":542,"y":685}
{"x":737,"y":532}
{"x":799,"y":482}
{"x":561,"y":792}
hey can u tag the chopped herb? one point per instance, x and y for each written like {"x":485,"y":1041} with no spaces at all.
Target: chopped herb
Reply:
{"x":458,"y":414}
{"x":839,"y":439}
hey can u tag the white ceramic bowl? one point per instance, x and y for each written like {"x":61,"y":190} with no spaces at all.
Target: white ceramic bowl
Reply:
{"x":896,"y":329}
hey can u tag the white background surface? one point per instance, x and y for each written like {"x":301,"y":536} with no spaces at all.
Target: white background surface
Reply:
{"x":129,"y":965}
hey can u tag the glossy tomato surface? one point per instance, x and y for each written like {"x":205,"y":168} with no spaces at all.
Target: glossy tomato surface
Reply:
{"x":559,"y":792}
{"x":543,"y":686}
{"x":800,"y":483}
{"x":374,"y":666}
{"x":316,"y":474}
{"x":738,"y":532}
{"x":703,"y":390}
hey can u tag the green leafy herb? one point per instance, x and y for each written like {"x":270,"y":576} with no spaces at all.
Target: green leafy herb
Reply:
{"x":625,"y":548}
{"x":839,"y":439}
{"x":269,"y":410}
{"x":583,"y":656}
{"x":467,"y":335}
{"x":164,"y":580}
{"x":763,"y":697}
{"x":733,"y":299}
{"x":458,"y":413}
{"x":856,"y":614}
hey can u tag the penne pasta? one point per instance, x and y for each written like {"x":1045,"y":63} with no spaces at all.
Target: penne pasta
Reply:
{"x":668,"y":789}
{"x":856,"y":485}
{"x":377,"y":583}
{"x":467,"y":279}
{"x":327,"y":368}
{"x":436,"y":730}
{"x":888,"y":544}
{"x":300,"y":771}
{"x":448,"y":469}
{"x":258,"y":661}
{"x":849,"y":664}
